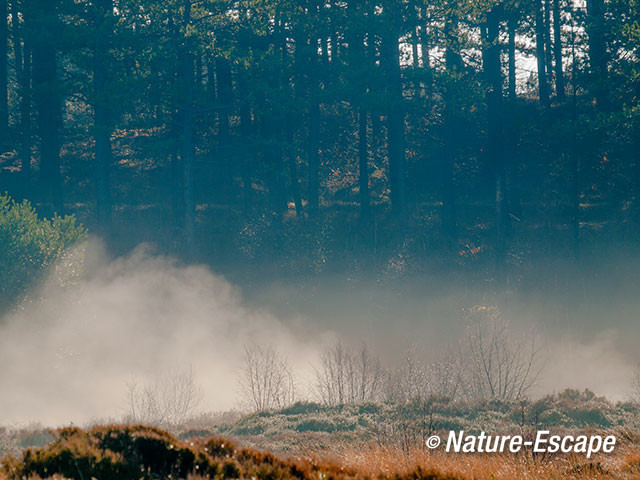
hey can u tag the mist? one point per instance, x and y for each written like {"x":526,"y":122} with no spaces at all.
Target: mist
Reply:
{"x":68,"y":354}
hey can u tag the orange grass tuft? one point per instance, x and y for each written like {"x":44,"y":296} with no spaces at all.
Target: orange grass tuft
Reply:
{"x":138,"y":452}
{"x":377,"y":461}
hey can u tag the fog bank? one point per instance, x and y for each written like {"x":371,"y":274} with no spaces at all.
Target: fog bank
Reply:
{"x":69,"y":353}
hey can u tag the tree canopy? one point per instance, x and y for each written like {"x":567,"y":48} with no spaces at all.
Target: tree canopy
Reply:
{"x":475,"y":132}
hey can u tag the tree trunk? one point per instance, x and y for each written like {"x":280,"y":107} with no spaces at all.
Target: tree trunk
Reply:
{"x":313,"y":154}
{"x":574,"y":162}
{"x":224,"y":88}
{"x":246,"y":130}
{"x":290,"y":150}
{"x":276,"y":168}
{"x":22,"y":54}
{"x":597,"y":50}
{"x":495,"y":133}
{"x":48,"y":101}
{"x":543,"y":85}
{"x":390,"y":62}
{"x":187,"y":150}
{"x":103,"y":116}
{"x":548,"y":47}
{"x":4,"y":51}
{"x":359,"y":56}
{"x":415,"y":57}
{"x":557,"y":45}
{"x":511,"y":149}
{"x":512,"y":24}
{"x":312,"y":91}
{"x":224,"y":102}
{"x":426,"y":58}
{"x":293,"y":171}
{"x":363,"y":167}
{"x":448,"y":194}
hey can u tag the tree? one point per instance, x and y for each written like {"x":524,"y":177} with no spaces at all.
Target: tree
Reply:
{"x":597,"y":50}
{"x":395,"y":116}
{"x":103,"y":116}
{"x":557,"y":49}
{"x":266,"y":381}
{"x":20,"y":14}
{"x":498,"y":365}
{"x":635,"y":386}
{"x":495,"y":148}
{"x":186,"y":76}
{"x":357,"y":51}
{"x":4,"y":51}
{"x":348,"y":376}
{"x":165,"y":401}
{"x":543,"y":85}
{"x":452,"y":86}
{"x":416,"y":120}
{"x":410,"y":381}
{"x":30,"y":246}
{"x":47,"y":95}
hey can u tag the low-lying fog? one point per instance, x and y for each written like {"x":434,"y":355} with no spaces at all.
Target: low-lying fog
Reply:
{"x":69,"y":353}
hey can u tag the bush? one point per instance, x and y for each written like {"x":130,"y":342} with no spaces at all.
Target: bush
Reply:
{"x":301,"y":408}
{"x":147,"y":453}
{"x":29,"y":245}
{"x":316,"y":425}
{"x":111,"y":453}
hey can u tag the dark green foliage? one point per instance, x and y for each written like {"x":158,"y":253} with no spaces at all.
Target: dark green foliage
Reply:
{"x":315,"y":425}
{"x":29,"y":245}
{"x":254,"y":116}
{"x":301,"y":407}
{"x":393,"y":423}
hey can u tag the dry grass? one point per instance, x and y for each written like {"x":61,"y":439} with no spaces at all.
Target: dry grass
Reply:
{"x":134,"y":453}
{"x":395,"y":463}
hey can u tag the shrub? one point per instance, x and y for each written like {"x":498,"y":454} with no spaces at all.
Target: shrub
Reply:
{"x":301,"y":408}
{"x":146,"y":453}
{"x":29,"y":245}
{"x":316,"y":425}
{"x":111,"y":453}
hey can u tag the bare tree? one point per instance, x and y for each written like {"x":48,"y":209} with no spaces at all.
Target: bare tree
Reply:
{"x":497,"y":363}
{"x":446,"y":376}
{"x":416,"y":379}
{"x":409,"y":381}
{"x":267,"y":380}
{"x":168,"y":400}
{"x":348,"y":376}
{"x":635,"y":386}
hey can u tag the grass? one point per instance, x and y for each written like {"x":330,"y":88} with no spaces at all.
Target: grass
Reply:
{"x":395,"y":463}
{"x":352,"y":442}
{"x":140,"y":452}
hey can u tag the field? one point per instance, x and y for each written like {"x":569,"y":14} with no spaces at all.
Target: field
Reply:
{"x":310,"y":441}
{"x":133,"y":452}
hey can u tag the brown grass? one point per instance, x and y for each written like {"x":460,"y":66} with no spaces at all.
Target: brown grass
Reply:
{"x":395,"y":463}
{"x":133,"y":453}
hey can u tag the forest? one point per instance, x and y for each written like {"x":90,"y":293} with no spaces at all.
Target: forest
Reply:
{"x":331,"y":230}
{"x":320,"y":135}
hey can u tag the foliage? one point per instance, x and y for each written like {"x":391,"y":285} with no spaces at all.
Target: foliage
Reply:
{"x":397,"y":424}
{"x":133,"y":453}
{"x":266,"y":114}
{"x":139,"y":452}
{"x":30,"y":245}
